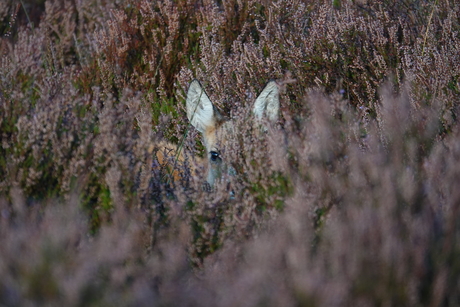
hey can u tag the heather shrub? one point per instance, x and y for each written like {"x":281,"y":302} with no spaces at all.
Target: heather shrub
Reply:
{"x":349,"y":199}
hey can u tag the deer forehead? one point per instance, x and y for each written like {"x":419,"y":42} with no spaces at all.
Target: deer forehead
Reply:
{"x":216,"y":136}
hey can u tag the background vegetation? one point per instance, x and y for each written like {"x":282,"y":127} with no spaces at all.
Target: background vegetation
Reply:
{"x":352,"y":199}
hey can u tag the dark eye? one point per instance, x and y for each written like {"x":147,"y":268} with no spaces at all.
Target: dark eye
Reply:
{"x":214,"y":155}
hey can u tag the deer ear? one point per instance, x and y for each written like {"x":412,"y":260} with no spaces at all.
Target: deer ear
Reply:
{"x":268,"y":102}
{"x":200,"y":110}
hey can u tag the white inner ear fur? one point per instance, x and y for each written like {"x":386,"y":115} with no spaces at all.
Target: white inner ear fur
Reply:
{"x":200,"y":111}
{"x":268,"y":103}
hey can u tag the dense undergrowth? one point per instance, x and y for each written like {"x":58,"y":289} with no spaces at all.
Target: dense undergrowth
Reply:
{"x":352,"y":199}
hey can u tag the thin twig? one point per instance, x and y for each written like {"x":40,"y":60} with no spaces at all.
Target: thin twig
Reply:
{"x":181,"y":144}
{"x":27,"y":15}
{"x":428,"y":26}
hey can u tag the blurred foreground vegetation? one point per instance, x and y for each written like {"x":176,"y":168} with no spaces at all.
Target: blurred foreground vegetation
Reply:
{"x":352,"y":199}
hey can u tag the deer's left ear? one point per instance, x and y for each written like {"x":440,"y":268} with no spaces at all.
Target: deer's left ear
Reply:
{"x":268,"y":102}
{"x":200,"y":110}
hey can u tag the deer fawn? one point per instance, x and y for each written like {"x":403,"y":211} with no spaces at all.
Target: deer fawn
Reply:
{"x":215,"y":129}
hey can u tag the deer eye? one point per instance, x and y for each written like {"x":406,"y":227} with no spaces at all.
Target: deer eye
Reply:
{"x":214,"y":156}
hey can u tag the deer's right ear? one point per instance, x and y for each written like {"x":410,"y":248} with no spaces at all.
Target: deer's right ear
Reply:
{"x":200,"y":110}
{"x":267,"y":103}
